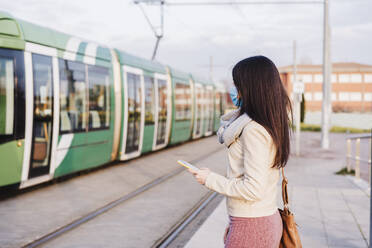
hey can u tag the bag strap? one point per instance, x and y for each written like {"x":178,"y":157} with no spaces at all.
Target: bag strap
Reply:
{"x":285,"y":191}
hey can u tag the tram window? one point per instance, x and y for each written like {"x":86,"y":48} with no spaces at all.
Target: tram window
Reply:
{"x":210,"y":108}
{"x":162,"y":114}
{"x":6,"y":96}
{"x":43,"y":88}
{"x":134,"y":112}
{"x":99,"y":97}
{"x":218,"y":102}
{"x":73,"y":99}
{"x":206,"y":106}
{"x":149,"y":101}
{"x":199,"y":109}
{"x":182,"y":102}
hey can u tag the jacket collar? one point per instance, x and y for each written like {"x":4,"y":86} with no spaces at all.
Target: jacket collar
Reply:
{"x":232,"y":125}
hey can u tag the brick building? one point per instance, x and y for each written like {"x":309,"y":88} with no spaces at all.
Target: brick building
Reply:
{"x":351,"y":86}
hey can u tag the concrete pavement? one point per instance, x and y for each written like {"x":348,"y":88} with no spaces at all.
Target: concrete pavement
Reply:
{"x":31,"y":215}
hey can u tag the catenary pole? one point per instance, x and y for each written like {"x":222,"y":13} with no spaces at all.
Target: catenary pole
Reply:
{"x":297,"y":102}
{"x":211,"y":68}
{"x":158,"y":35}
{"x":370,"y":197}
{"x":326,"y":103}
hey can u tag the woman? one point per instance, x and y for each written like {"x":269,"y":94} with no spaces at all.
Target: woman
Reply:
{"x":257,"y":137}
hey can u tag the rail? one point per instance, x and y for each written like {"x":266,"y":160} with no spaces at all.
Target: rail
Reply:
{"x":357,"y":158}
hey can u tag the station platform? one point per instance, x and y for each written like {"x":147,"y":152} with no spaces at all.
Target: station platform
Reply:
{"x":330,"y":210}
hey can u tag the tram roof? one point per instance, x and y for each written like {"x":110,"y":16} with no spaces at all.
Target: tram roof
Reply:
{"x":142,"y":63}
{"x":179,"y":74}
{"x":201,"y":80}
{"x":15,"y":32}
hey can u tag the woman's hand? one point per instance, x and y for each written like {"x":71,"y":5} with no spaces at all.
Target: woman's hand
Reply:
{"x":200,"y":175}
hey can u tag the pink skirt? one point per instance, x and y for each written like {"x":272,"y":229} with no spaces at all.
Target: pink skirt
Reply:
{"x":254,"y":232}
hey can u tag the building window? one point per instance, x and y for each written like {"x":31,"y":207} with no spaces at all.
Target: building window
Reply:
{"x":334,"y":78}
{"x":73,"y":99}
{"x":99,"y":97}
{"x":368,"y":78}
{"x":307,"y":78}
{"x":6,"y":96}
{"x":318,"y":78}
{"x":344,"y":96}
{"x":317,"y":96}
{"x":367,"y":96}
{"x":356,"y":78}
{"x":355,"y":96}
{"x":308,"y":96}
{"x":344,"y":78}
{"x":182,"y":102}
{"x":334,"y":96}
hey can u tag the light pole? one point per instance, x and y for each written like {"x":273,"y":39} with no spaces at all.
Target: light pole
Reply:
{"x":327,"y":101}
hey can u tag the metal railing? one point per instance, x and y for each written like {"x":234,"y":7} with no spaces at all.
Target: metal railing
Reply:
{"x":357,"y":158}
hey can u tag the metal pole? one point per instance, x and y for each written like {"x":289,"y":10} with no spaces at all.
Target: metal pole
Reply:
{"x":326,"y":104}
{"x":348,"y":155}
{"x":294,"y":63}
{"x":296,"y":101}
{"x":357,"y":158}
{"x":211,"y":68}
{"x":153,"y":28}
{"x":370,"y":196}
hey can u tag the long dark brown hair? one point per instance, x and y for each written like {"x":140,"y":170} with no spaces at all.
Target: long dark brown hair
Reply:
{"x":266,"y":101}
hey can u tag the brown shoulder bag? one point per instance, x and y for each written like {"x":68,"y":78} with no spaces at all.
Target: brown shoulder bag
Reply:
{"x":290,"y":237}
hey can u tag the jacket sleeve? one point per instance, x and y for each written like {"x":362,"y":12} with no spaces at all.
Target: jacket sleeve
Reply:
{"x":256,"y":145}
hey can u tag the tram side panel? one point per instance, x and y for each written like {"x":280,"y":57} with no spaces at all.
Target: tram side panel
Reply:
{"x":63,"y":107}
{"x":146,"y":106}
{"x":87,"y":115}
{"x":208,"y":108}
{"x":182,"y":107}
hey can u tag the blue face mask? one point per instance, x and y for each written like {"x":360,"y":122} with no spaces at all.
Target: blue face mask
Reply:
{"x":234,"y":97}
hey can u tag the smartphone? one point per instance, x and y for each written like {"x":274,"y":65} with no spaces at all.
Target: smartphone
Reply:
{"x":187,"y":165}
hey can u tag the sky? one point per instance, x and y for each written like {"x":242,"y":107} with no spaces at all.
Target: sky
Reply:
{"x":195,"y":35}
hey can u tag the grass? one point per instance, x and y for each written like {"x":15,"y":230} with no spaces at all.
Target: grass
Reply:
{"x":334,"y":129}
{"x":344,"y":172}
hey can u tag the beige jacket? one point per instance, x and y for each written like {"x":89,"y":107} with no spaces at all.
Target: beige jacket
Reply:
{"x":251,"y":183}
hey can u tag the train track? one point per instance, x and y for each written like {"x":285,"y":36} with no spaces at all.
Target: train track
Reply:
{"x":181,"y":225}
{"x":163,"y":241}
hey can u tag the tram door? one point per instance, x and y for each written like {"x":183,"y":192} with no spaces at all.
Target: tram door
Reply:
{"x":42,"y":71}
{"x":162,"y":126}
{"x":134,"y":107}
{"x":198,"y":123}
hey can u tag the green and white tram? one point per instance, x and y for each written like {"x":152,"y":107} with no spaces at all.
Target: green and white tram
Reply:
{"x":68,"y":105}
